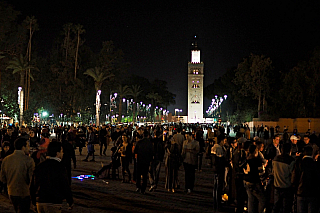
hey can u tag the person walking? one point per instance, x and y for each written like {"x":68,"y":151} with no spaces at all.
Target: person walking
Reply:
{"x":199,"y":138}
{"x":179,"y":139}
{"x":144,"y":154}
{"x":16,"y":172}
{"x":103,"y":139}
{"x":158,"y":150}
{"x":190,"y":150}
{"x":172,"y":164}
{"x":50,"y":185}
{"x":90,"y":146}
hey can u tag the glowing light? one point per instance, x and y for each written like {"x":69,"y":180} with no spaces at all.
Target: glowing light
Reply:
{"x":82,"y":177}
{"x":195,"y":56}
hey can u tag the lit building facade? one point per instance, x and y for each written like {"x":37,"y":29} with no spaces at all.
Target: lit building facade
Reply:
{"x":195,"y":87}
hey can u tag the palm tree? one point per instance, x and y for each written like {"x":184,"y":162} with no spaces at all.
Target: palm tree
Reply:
{"x":67,"y":31}
{"x":20,"y":65}
{"x":1,"y":57}
{"x":78,"y":30}
{"x":32,"y":26}
{"x":134,"y":91}
{"x":123,"y":91}
{"x":99,"y":76}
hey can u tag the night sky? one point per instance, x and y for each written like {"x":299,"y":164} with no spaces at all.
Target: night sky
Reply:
{"x":156,"y":36}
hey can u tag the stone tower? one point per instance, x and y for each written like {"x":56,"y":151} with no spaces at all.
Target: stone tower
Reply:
{"x":195,"y":86}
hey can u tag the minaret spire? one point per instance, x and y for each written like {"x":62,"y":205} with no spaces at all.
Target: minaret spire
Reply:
{"x":195,"y":52}
{"x":195,"y":85}
{"x":195,"y":43}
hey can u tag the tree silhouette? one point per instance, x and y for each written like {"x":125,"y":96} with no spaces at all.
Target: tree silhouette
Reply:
{"x":99,"y":77}
{"x":253,"y":76}
{"x":20,"y":65}
{"x":32,"y":26}
{"x":78,"y":30}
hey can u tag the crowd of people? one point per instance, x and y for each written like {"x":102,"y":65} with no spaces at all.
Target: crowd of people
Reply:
{"x":277,"y":175}
{"x":34,"y":170}
{"x":147,"y":148}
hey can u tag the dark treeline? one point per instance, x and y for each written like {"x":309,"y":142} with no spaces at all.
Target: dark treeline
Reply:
{"x":65,"y":80}
{"x":259,"y":88}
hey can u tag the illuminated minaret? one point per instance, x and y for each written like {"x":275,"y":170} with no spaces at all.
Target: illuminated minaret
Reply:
{"x":195,"y":86}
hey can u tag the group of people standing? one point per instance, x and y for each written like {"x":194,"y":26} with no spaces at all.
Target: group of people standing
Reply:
{"x":280,"y":175}
{"x":275,"y":176}
{"x":44,"y":183}
{"x":147,"y":148}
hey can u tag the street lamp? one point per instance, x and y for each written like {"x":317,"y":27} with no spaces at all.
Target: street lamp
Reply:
{"x":20,"y":103}
{"x":98,"y":104}
{"x":112,"y":104}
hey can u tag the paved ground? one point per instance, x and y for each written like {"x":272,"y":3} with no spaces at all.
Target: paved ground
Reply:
{"x":103,"y":195}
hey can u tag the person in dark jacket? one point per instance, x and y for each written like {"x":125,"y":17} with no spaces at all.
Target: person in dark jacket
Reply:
{"x":115,"y":135}
{"x":144,"y":155}
{"x":238,"y":161}
{"x":199,"y":138}
{"x":103,"y":139}
{"x":219,"y":162}
{"x":272,"y":151}
{"x":305,"y":180}
{"x":90,"y":146}
{"x":10,"y":136}
{"x":4,"y":153}
{"x":49,"y":185}
{"x":68,"y":155}
{"x":80,"y":140}
{"x":113,"y":165}
{"x":252,"y":172}
{"x":172,"y":163}
{"x":155,"y":167}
